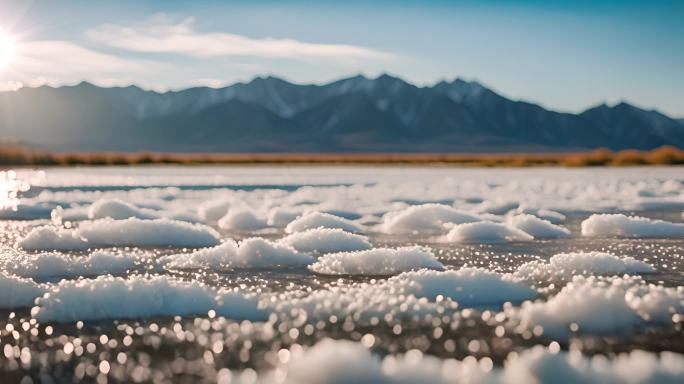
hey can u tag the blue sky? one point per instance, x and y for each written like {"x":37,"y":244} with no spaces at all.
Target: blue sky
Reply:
{"x":565,"y":55}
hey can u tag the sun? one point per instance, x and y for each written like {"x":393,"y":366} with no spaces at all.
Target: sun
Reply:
{"x":7,"y":49}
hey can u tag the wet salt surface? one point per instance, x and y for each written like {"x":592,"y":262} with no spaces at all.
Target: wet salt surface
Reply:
{"x":372,"y":311}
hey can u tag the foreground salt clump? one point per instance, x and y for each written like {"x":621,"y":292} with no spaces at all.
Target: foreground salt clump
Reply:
{"x":249,"y":253}
{"x":326,"y":240}
{"x":118,"y":210}
{"x":656,"y":303}
{"x":376,"y":262}
{"x":539,"y":228}
{"x":424,"y":219}
{"x":139,"y":297}
{"x":540,"y":365}
{"x":597,"y":306}
{"x":313,"y":220}
{"x":60,"y":265}
{"x":129,"y":232}
{"x":346,"y":362}
{"x":17,"y":292}
{"x":566,"y":265}
{"x":335,"y":361}
{"x":629,"y":226}
{"x":486,"y":232}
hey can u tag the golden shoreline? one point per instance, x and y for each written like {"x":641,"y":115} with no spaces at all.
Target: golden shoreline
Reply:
{"x":13,"y":155}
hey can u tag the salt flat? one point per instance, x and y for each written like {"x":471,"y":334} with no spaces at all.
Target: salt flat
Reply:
{"x":342,"y":274}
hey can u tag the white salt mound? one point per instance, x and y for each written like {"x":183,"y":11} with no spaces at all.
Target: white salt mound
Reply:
{"x":376,"y":262}
{"x":546,"y":214}
{"x":60,"y":265}
{"x":211,"y":211}
{"x":362,"y":302}
{"x":183,"y":215}
{"x":409,"y":294}
{"x":539,"y":228}
{"x":52,"y":239}
{"x":61,"y":215}
{"x":241,"y":220}
{"x":280,"y":217}
{"x":223,"y":255}
{"x":326,"y":240}
{"x":486,"y":232}
{"x":629,"y":226}
{"x":147,"y":233}
{"x":16,"y":292}
{"x":118,"y":210}
{"x":599,"y":306}
{"x":349,"y":215}
{"x":498,"y":207}
{"x":566,"y":265}
{"x":129,"y":232}
{"x":594,"y":306}
{"x":260,"y":252}
{"x":313,"y":220}
{"x":424,"y":219}
{"x":250,"y":253}
{"x":102,"y":298}
{"x":470,"y":287}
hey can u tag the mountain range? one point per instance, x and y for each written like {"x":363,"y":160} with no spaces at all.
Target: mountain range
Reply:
{"x":357,"y":114}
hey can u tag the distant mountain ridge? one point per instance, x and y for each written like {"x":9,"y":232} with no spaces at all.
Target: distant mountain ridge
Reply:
{"x":356,"y":114}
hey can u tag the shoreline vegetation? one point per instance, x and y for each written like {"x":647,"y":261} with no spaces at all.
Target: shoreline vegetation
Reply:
{"x":17,"y":155}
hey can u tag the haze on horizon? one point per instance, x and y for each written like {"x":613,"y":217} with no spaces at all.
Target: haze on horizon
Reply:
{"x":564,"y":55}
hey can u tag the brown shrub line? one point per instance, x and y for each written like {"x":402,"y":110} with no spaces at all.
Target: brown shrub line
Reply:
{"x":16,"y":155}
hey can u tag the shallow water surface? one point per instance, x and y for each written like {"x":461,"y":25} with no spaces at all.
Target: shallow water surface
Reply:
{"x":206,"y":274}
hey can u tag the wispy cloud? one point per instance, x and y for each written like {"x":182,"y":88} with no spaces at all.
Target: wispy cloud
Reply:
{"x":122,"y":54}
{"x":161,"y":34}
{"x":58,"y":56}
{"x":59,"y":61}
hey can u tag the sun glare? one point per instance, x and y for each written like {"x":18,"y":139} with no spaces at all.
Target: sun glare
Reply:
{"x":7,"y":49}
